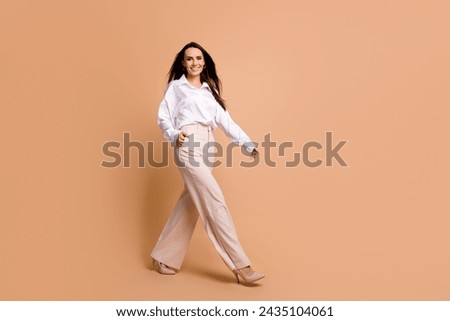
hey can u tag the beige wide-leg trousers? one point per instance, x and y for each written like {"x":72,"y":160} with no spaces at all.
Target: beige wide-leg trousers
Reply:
{"x":201,"y":196}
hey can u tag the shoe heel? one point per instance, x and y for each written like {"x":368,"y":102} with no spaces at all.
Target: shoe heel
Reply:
{"x":237,"y":278}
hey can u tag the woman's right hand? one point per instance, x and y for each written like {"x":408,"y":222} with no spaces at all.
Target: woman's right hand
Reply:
{"x":181,"y":138}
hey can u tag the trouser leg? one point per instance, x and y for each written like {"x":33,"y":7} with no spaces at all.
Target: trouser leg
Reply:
{"x":210,"y":203}
{"x":174,"y":239}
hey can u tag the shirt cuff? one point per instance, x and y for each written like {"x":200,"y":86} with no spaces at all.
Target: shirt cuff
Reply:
{"x":249,"y":146}
{"x":174,"y":135}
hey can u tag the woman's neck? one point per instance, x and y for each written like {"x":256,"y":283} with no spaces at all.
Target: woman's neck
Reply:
{"x":194,"y":81}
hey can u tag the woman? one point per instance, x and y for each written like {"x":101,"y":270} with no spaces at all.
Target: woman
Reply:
{"x":191,"y":108}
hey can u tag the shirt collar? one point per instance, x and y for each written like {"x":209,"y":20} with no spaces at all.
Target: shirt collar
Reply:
{"x":184,"y":80}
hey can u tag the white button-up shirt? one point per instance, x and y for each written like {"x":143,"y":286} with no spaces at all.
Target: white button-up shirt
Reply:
{"x":184,"y":104}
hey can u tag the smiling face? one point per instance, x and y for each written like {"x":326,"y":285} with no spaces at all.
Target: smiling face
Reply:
{"x":194,"y":62}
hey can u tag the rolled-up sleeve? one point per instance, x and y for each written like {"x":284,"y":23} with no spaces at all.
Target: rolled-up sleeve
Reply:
{"x":166,"y":114}
{"x":232,"y":130}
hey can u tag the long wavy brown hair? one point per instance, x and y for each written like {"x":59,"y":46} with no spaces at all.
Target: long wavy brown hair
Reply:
{"x":208,"y":74}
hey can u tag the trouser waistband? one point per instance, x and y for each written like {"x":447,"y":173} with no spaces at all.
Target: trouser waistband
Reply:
{"x":196,"y":127}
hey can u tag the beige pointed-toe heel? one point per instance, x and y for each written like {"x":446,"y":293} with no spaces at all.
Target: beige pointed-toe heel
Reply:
{"x":162,"y":268}
{"x":247,"y":275}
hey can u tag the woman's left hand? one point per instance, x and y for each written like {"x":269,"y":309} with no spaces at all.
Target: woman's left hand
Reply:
{"x":254,"y":153}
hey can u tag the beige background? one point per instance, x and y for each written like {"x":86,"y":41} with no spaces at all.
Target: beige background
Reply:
{"x":76,"y":74}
